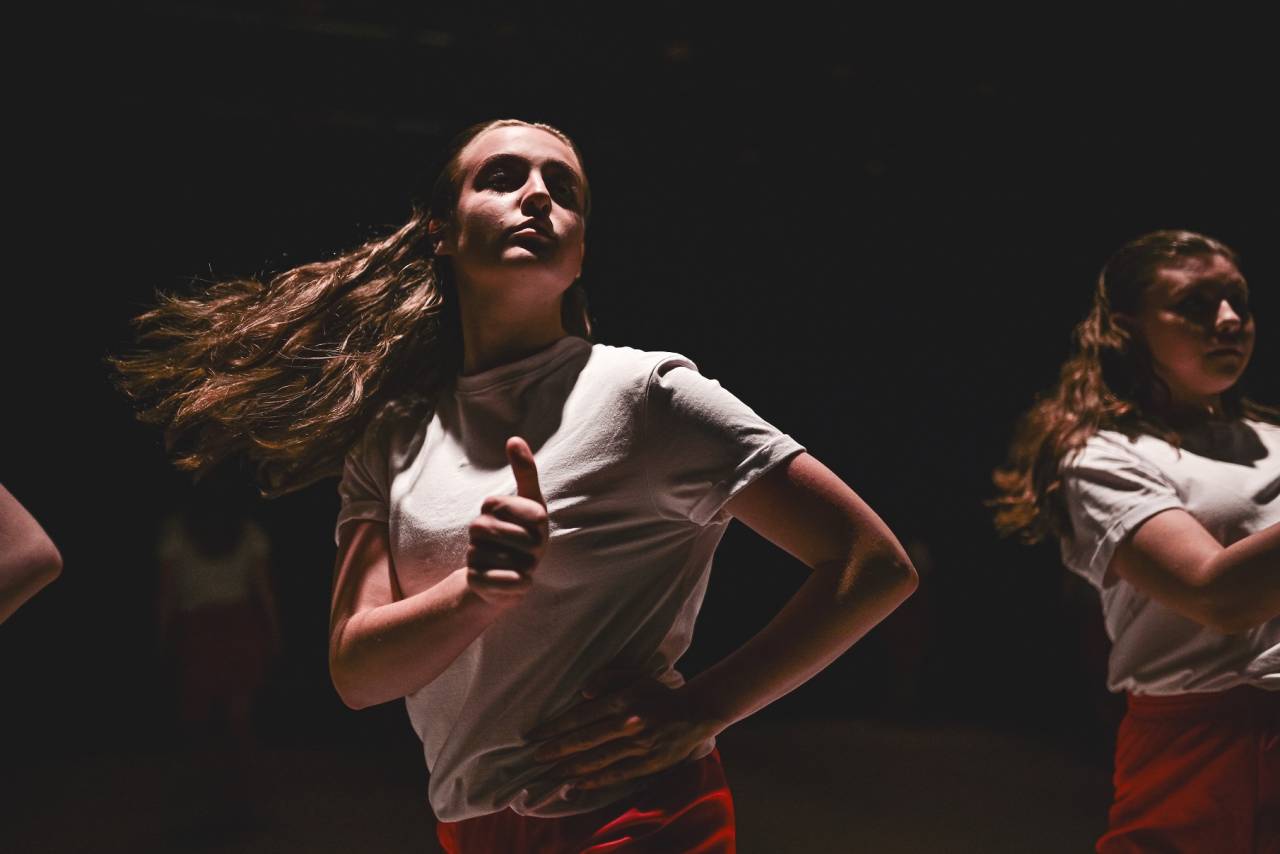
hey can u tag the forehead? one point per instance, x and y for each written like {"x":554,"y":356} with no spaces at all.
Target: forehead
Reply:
{"x":533,"y":144}
{"x":1195,"y":271}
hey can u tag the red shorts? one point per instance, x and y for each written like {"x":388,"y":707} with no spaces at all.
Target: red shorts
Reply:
{"x":686,"y":809}
{"x":1197,"y":773}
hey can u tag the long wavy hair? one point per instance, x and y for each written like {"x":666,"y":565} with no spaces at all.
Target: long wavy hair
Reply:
{"x":286,"y":373}
{"x":1108,"y":383}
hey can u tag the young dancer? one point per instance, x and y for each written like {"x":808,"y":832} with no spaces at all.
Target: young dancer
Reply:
{"x":528,"y":519}
{"x":1162,"y":483}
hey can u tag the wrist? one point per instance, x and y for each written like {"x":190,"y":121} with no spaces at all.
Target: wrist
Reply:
{"x":705,"y":708}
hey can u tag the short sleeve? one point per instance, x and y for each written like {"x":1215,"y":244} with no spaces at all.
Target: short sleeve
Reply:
{"x":702,"y":444}
{"x":1110,"y":490}
{"x":365,"y":486}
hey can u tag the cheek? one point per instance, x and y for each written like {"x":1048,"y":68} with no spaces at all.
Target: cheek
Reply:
{"x":577,"y":248}
{"x":1169,"y":345}
{"x":574,"y":241}
{"x":479,"y":224}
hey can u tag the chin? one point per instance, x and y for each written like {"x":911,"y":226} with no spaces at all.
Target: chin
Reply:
{"x":1219,"y":385}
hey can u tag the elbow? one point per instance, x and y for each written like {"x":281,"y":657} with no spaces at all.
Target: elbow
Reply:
{"x":1221,"y":608}
{"x":50,"y":564}
{"x":891,"y":575}
{"x":41,"y":565}
{"x":350,"y":679}
{"x":350,"y":690}
{"x":908,"y":579}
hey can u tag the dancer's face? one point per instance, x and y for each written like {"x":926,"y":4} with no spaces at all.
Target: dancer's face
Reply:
{"x":1196,"y":322}
{"x":519,"y":218}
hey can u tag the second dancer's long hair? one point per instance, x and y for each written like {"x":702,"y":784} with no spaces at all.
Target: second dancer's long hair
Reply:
{"x":286,"y":373}
{"x":1108,"y":383}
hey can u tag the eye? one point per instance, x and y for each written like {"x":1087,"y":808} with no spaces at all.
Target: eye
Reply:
{"x":1195,"y":306}
{"x":501,"y":178}
{"x":565,"y":194}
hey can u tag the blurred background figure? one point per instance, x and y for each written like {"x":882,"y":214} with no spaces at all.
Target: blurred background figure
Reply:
{"x":218,"y":632}
{"x":28,"y":558}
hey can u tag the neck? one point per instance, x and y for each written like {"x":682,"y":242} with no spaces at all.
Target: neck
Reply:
{"x":497,"y":331}
{"x":1192,"y":409}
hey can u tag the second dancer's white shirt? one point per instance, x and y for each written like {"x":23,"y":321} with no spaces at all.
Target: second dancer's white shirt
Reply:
{"x":637,"y":455}
{"x":1227,"y":476}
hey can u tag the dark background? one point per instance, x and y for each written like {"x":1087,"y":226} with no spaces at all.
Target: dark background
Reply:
{"x":879,"y":233}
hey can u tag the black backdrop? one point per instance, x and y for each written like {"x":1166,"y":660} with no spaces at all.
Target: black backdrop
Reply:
{"x":877,"y":233}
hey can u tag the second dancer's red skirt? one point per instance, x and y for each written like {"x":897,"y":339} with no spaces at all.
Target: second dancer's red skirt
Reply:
{"x":1197,"y":773}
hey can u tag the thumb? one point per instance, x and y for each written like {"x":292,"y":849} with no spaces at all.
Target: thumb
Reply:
{"x":525,"y":469}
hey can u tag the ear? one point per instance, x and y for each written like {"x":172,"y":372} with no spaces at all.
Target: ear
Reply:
{"x":441,"y":236}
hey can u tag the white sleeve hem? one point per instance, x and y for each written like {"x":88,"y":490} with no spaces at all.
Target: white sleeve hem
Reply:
{"x":373,"y":511}
{"x":1122,"y":528}
{"x":764,"y":459}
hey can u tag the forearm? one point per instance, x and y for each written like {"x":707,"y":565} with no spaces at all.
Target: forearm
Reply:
{"x":1241,"y":583}
{"x":838,"y":604}
{"x":390,"y":651}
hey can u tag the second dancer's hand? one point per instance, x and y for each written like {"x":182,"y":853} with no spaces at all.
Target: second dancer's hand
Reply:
{"x":509,"y":537}
{"x":629,"y":726}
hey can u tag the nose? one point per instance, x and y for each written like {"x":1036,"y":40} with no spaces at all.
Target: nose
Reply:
{"x":1227,"y":321}
{"x":537,"y":199}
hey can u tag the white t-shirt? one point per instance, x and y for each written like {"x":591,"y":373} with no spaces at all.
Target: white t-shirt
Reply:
{"x":637,"y":455}
{"x":1228,"y":477}
{"x":202,"y":580}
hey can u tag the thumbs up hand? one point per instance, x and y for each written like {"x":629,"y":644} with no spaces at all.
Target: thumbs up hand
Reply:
{"x":509,"y":536}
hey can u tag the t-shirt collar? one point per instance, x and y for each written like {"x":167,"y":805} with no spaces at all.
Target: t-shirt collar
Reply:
{"x":535,"y":364}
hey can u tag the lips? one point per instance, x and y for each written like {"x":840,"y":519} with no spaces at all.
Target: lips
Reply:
{"x":532,"y":228}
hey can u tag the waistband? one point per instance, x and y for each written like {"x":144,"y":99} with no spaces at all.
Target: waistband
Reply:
{"x":1243,"y":701}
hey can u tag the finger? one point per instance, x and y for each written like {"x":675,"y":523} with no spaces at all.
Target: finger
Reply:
{"x":519,"y":510}
{"x":597,"y":759}
{"x":525,"y":469}
{"x":485,"y":556}
{"x":494,"y":531}
{"x":612,"y":679}
{"x":628,"y":768}
{"x":581,"y":715}
{"x":559,"y":793}
{"x":590,"y":736}
{"x":498,"y":579}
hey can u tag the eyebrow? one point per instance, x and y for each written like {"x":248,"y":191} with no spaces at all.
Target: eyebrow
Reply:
{"x":1236,"y":282}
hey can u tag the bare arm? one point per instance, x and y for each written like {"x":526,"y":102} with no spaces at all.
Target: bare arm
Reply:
{"x":1173,"y":559}
{"x":28,"y":558}
{"x":383,"y":646}
{"x":860,"y":574}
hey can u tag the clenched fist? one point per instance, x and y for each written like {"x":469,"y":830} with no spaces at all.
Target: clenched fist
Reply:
{"x":509,"y":536}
